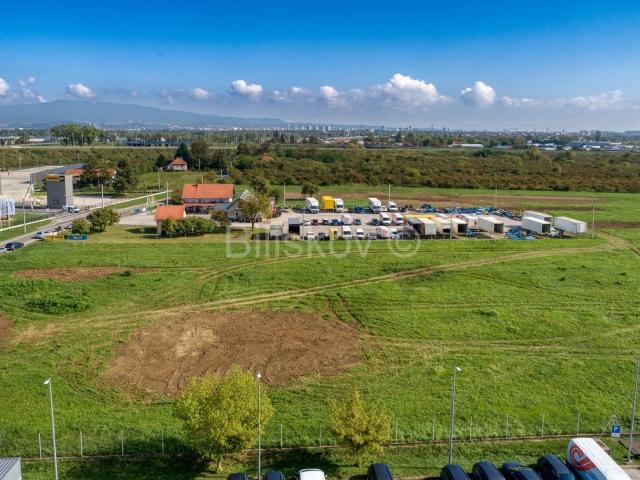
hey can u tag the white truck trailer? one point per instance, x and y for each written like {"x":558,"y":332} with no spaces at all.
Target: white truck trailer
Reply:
{"x":569,"y":225}
{"x":490,"y":224}
{"x":459,"y":226}
{"x":472,"y":221}
{"x":424,"y":227}
{"x":536,"y":225}
{"x":338,"y":205}
{"x":539,"y":215}
{"x":374,"y":205}
{"x":443,"y":226}
{"x":312,"y":205}
{"x":591,"y":462}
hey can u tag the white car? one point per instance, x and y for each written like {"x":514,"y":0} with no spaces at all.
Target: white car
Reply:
{"x":360,"y":234}
{"x":306,"y":223}
{"x":310,"y":236}
{"x":39,"y":235}
{"x":393,"y":234}
{"x":311,"y":474}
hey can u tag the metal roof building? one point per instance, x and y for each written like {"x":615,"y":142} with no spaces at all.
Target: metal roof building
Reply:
{"x":10,"y":469}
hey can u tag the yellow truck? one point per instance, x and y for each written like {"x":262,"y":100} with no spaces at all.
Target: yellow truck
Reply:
{"x":327,"y":204}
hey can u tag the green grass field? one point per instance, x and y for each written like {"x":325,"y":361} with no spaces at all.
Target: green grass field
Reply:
{"x":548,"y":327}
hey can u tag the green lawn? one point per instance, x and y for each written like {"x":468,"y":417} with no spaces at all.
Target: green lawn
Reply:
{"x":539,"y":328}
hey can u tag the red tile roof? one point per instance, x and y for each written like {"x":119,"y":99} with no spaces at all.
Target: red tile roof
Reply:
{"x":178,"y":161}
{"x":207,"y":190}
{"x":165,"y":212}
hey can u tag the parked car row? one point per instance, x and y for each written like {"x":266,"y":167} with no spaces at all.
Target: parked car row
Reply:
{"x":548,"y":467}
{"x":377,"y":471}
{"x":381,"y":233}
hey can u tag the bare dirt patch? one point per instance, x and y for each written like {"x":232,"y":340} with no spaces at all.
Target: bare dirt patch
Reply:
{"x":5,"y":329}
{"x":281,"y":345}
{"x":79,"y":274}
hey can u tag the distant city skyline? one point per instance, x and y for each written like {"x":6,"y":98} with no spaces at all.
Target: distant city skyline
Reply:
{"x":561,"y":65}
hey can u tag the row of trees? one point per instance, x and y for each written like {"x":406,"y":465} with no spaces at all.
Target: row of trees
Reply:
{"x":219,"y":415}
{"x":73,"y":134}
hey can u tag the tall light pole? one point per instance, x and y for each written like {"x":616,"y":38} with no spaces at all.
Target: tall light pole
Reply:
{"x":453,"y":411}
{"x":633,"y":412}
{"x":53,"y":430}
{"x":258,"y":377}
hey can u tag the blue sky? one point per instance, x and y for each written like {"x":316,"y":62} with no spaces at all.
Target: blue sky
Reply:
{"x":561,"y":64}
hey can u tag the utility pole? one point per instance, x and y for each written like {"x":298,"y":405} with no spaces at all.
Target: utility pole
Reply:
{"x":453,"y":411}
{"x":53,"y":431}
{"x":633,"y":412}
{"x":258,"y":377}
{"x":593,"y":221}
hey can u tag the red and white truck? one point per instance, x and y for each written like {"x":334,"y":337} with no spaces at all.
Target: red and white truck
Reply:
{"x":591,"y":462}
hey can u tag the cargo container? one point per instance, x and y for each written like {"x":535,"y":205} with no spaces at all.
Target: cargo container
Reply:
{"x":569,"y":225}
{"x":338,"y":204}
{"x":490,"y":224}
{"x":459,"y":226}
{"x":472,"y":222}
{"x":312,"y":205}
{"x":536,"y":225}
{"x":294,"y":223}
{"x":374,"y":205}
{"x":424,"y":227}
{"x":539,"y":215}
{"x":591,"y":462}
{"x":443,"y":226}
{"x":327,"y":204}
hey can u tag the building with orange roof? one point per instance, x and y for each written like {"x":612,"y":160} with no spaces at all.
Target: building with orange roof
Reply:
{"x":202,"y":197}
{"x":178,"y":165}
{"x":166,"y":212}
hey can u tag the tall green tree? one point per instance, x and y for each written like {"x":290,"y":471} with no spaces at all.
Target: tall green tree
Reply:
{"x":200,"y":152}
{"x":255,"y":206}
{"x":101,"y":218}
{"x":125,"y":177}
{"x":363,"y":426}
{"x":309,"y":189}
{"x":184,"y":153}
{"x":220,"y":414}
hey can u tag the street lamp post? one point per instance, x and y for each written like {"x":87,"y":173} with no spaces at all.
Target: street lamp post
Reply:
{"x":258,"y":377}
{"x":633,"y":412}
{"x":53,"y":430}
{"x":453,"y":411}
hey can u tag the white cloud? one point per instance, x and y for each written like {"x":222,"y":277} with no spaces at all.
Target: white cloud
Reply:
{"x":299,"y":91}
{"x":404,"y":91}
{"x":79,"y":90}
{"x":25,"y":82}
{"x":4,"y":87}
{"x":519,"y":102}
{"x":330,"y":95}
{"x":480,"y":95}
{"x":604,"y":101}
{"x":199,"y":93}
{"x":252,"y":91}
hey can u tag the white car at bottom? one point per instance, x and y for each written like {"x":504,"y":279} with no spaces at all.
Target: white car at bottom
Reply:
{"x":311,"y":474}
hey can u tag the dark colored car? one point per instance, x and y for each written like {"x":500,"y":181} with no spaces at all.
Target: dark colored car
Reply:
{"x":314,"y":221}
{"x":274,"y":475}
{"x":323,"y":236}
{"x":379,"y":471}
{"x":335,"y":222}
{"x":11,"y":246}
{"x":453,"y":472}
{"x":517,"y":471}
{"x":375,"y":222}
{"x":550,"y":467}
{"x":238,"y":476}
{"x":357,"y":221}
{"x":486,"y":471}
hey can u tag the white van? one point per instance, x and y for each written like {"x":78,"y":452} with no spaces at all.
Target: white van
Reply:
{"x":70,"y":209}
{"x":384,"y":219}
{"x":346,"y":233}
{"x":346,"y":219}
{"x":360,"y":234}
{"x":397,"y":218}
{"x":392,"y":207}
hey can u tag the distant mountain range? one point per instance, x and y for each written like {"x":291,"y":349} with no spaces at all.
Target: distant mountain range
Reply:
{"x":117,"y":115}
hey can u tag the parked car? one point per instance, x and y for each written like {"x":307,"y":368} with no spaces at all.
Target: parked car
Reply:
{"x":379,"y":471}
{"x":371,"y":236}
{"x":310,"y":235}
{"x":453,"y":472}
{"x":517,"y":471}
{"x":139,"y":210}
{"x":274,"y":475}
{"x":325,"y":221}
{"x":486,"y":471}
{"x":335,"y":222}
{"x":322,"y":236}
{"x":375,"y":222}
{"x":11,"y":246}
{"x":314,"y":221}
{"x":238,"y":476}
{"x":357,"y":221}
{"x":311,"y":474}
{"x":393,"y":234}
{"x":550,"y":467}
{"x":359,"y":209}
{"x":306,"y":223}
